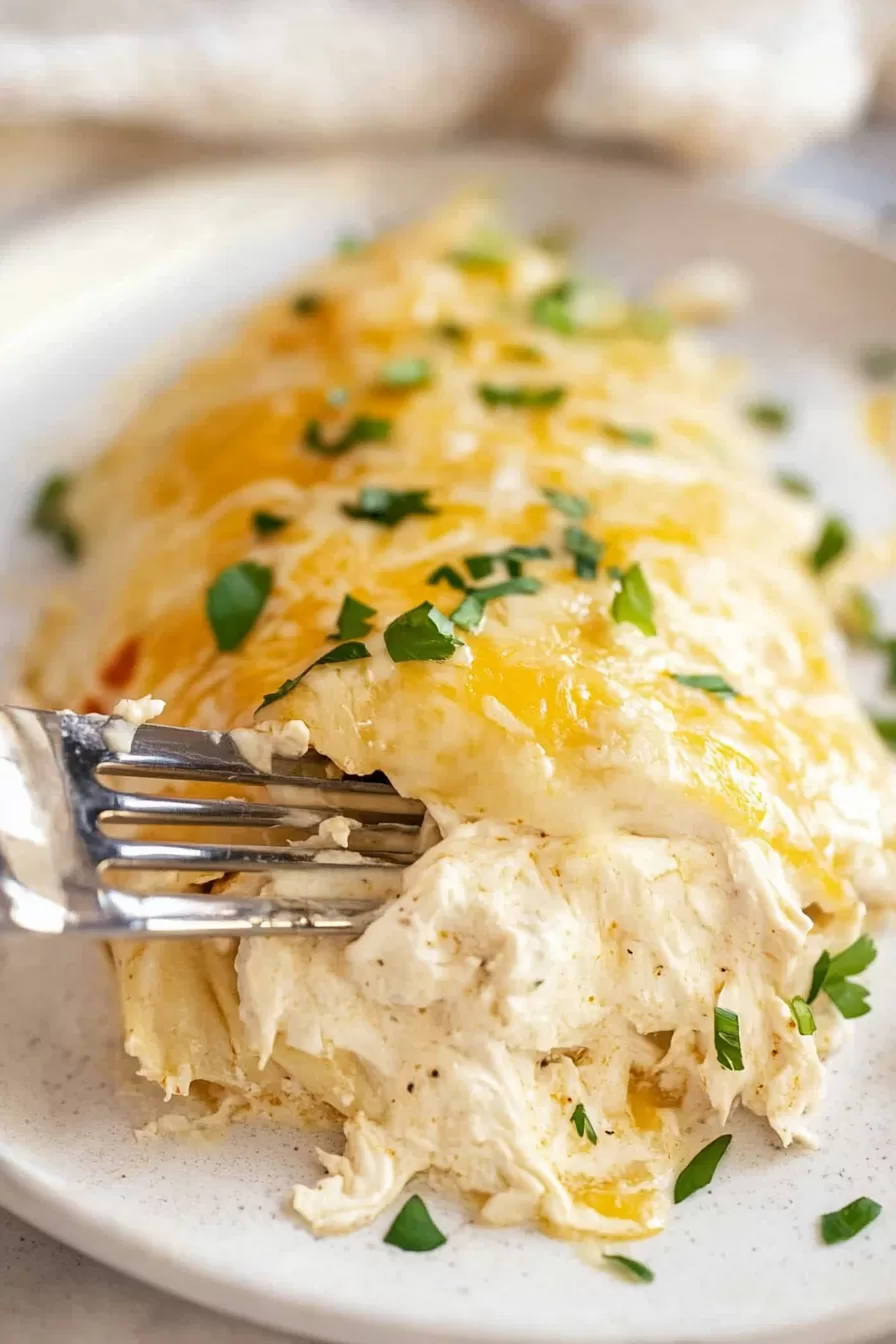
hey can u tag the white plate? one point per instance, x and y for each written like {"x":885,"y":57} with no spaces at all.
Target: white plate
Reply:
{"x":82,"y":303}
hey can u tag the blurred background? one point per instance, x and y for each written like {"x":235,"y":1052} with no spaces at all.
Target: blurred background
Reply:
{"x":97,"y":91}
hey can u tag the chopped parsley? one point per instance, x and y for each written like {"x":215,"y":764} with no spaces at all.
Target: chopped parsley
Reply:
{"x":414,"y":1229}
{"x":794,"y":484}
{"x":363,"y":429}
{"x":469,"y":615}
{"x":700,"y":1170}
{"x":303,"y":305}
{"x":448,"y":574}
{"x":421,"y":635}
{"x":266,"y":524}
{"x":574,"y":506}
{"x":635,"y":1268}
{"x":352,"y":621}
{"x":585,"y":550}
{"x":710,"y":682}
{"x":553,"y":308}
{"x":521,"y":396}
{"x":402,"y":374}
{"x":848,"y":1221}
{"x":450,"y":331}
{"x":486,"y":248}
{"x":803,"y":1016}
{"x":726,"y":1030}
{"x":887,"y":729}
{"x":49,"y":515}
{"x":584,"y":1127}
{"x":831,"y":975}
{"x":833,"y":540}
{"x":234,"y":602}
{"x":351,"y":652}
{"x":819,"y":974}
{"x":858,"y":619}
{"x":512,"y":558}
{"x":771,"y":416}
{"x":387,"y":508}
{"x":630,"y":434}
{"x":878,"y":362}
{"x":633,"y":602}
{"x":471,"y":611}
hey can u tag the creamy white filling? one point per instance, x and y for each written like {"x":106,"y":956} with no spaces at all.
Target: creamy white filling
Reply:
{"x":259,"y":745}
{"x":120,"y":731}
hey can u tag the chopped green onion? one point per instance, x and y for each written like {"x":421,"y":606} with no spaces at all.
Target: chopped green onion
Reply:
{"x":803,"y":1016}
{"x":727,"y":1039}
{"x":574,"y":506}
{"x":585,"y":550}
{"x":352,"y":621}
{"x":387,"y":508}
{"x":633,"y":602}
{"x":305,"y":304}
{"x":584,"y":1127}
{"x":700,"y":1170}
{"x":530,"y":398}
{"x":878,"y":362}
{"x":447,"y":574}
{"x":234,"y":602}
{"x":794,"y":484}
{"x":423,"y":634}
{"x":352,"y":652}
{"x":49,"y":515}
{"x":633,"y":1267}
{"x":363,"y":429}
{"x":410,"y":372}
{"x":771,"y":416}
{"x":266,"y":524}
{"x":706,"y":681}
{"x":414,"y":1229}
{"x":833,"y":540}
{"x":638,"y":438}
{"x":848,"y":1221}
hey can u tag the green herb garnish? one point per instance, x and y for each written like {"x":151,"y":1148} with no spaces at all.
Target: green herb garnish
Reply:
{"x":771,"y":416}
{"x":450,"y":331}
{"x":363,"y":429}
{"x":794,"y":484}
{"x":305,"y":304}
{"x":833,"y":540}
{"x":421,"y":635}
{"x":234,"y":601}
{"x":701,"y":1168}
{"x":802,"y":1016}
{"x":49,"y":515}
{"x":637,"y":438}
{"x":378,"y":504}
{"x":523,"y":354}
{"x":266,"y":524}
{"x":448,"y":574}
{"x":849,"y":1220}
{"x":352,"y":621}
{"x":849,"y":998}
{"x":819,"y":973}
{"x":414,"y":1229}
{"x":512,"y":558}
{"x":726,"y":1030}
{"x":878,"y":362}
{"x":553,"y":309}
{"x":486,"y":248}
{"x":633,"y":602}
{"x":633,"y":1267}
{"x":351,"y":652}
{"x":705,"y":681}
{"x":471,"y":611}
{"x":574,"y":506}
{"x":887,"y":729}
{"x":858,"y":619}
{"x":585,"y":550}
{"x":402,"y":374}
{"x":584,"y":1127}
{"x":350,"y":245}
{"x":830,"y":974}
{"x":529,"y":398}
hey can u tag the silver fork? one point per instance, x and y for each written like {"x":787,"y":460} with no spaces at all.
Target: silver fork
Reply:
{"x":62,"y":866}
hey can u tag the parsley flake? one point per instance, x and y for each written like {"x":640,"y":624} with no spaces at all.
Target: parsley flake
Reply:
{"x":700,"y":1170}
{"x":633,"y":602}
{"x":848,"y":1221}
{"x":584,"y":1127}
{"x":553,"y":309}
{"x":234,"y":602}
{"x":387,"y":508}
{"x":726,"y":1030}
{"x":574,"y":506}
{"x":470,"y":614}
{"x":363,"y":429}
{"x":414,"y":1229}
{"x":886,"y":727}
{"x":266,"y":524}
{"x":803,"y":1016}
{"x":710,"y":682}
{"x":585,"y":550}
{"x":447,"y":574}
{"x":521,"y":396}
{"x":771,"y":416}
{"x":350,"y":245}
{"x":49,"y":515}
{"x":303,"y":305}
{"x":833,"y":540}
{"x":878,"y":362}
{"x":351,"y":652}
{"x":407,"y":373}
{"x":471,"y":611}
{"x":421,"y":635}
{"x":819,"y":973}
{"x":794,"y":484}
{"x":635,"y":1268}
{"x":450,"y":331}
{"x":352,"y":621}
{"x":630,"y":434}
{"x":512,"y":558}
{"x":858,"y":618}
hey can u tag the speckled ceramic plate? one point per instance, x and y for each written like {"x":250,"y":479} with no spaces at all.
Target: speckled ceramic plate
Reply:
{"x":86,"y":306}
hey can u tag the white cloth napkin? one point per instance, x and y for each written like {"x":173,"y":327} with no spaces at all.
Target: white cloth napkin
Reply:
{"x":716,"y":82}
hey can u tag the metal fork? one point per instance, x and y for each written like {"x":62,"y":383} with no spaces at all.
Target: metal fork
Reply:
{"x":62,"y":870}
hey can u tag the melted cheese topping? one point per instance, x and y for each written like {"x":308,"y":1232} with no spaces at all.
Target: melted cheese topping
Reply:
{"x":621,"y":852}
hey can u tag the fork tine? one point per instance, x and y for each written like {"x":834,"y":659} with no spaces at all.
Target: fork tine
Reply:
{"x":250,"y":859}
{"x":316,"y":806}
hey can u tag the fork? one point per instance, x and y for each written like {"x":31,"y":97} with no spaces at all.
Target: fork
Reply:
{"x":62,"y":865}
